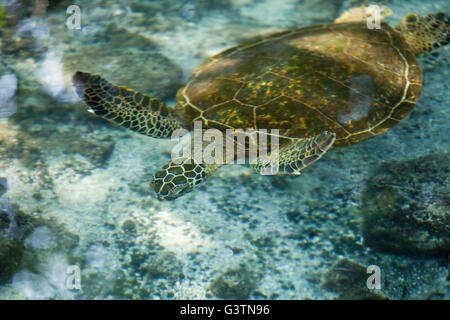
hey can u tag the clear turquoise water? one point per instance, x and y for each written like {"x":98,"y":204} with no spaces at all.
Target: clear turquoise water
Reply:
{"x":74,"y":189}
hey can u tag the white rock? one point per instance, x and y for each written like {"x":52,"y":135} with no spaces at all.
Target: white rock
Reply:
{"x":33,"y":286}
{"x":8,"y":87}
{"x":41,"y":238}
{"x":99,"y":257}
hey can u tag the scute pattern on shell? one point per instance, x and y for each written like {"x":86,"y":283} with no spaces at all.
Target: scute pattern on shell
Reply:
{"x":343,"y":78}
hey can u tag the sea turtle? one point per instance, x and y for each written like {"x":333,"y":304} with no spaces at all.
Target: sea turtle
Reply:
{"x":320,"y":86}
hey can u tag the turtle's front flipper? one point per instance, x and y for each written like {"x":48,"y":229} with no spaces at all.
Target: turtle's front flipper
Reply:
{"x":125,"y":106}
{"x":180,"y":176}
{"x":295,"y":156}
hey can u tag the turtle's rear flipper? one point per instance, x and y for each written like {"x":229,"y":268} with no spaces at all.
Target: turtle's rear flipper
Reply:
{"x":125,"y":106}
{"x":425,"y":34}
{"x":295,"y":156}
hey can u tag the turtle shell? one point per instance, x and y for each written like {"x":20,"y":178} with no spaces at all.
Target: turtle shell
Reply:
{"x":344,"y":78}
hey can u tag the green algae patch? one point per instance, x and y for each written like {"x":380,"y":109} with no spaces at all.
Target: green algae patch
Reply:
{"x":2,"y":16}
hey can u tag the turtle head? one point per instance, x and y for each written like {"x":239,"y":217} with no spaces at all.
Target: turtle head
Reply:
{"x":178,"y":177}
{"x":425,"y":33}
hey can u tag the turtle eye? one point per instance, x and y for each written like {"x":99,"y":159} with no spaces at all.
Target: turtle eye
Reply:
{"x":411,"y":18}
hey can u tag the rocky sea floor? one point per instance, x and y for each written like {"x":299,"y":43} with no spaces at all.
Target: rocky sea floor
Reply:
{"x":74,"y":189}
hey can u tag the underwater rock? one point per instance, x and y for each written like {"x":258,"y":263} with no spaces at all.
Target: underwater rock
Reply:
{"x":11,"y":248}
{"x":129,"y":226}
{"x":24,"y":236}
{"x":120,"y":38}
{"x":41,"y":238}
{"x":13,"y":221}
{"x":162,"y":265}
{"x":13,"y":11}
{"x":127,"y":59}
{"x":269,"y":12}
{"x":36,"y":144}
{"x":8,"y":87}
{"x":33,"y":286}
{"x":235,"y":283}
{"x":294,"y":216}
{"x":25,"y":46}
{"x":3,"y":186}
{"x":23,"y":30}
{"x":51,"y":76}
{"x":59,"y":4}
{"x":348,"y":279}
{"x":320,"y":11}
{"x":97,"y":152}
{"x":406,"y":207}
{"x":98,"y":257}
{"x":151,"y":73}
{"x":190,"y":10}
{"x":194,"y":9}
{"x":11,"y":252}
